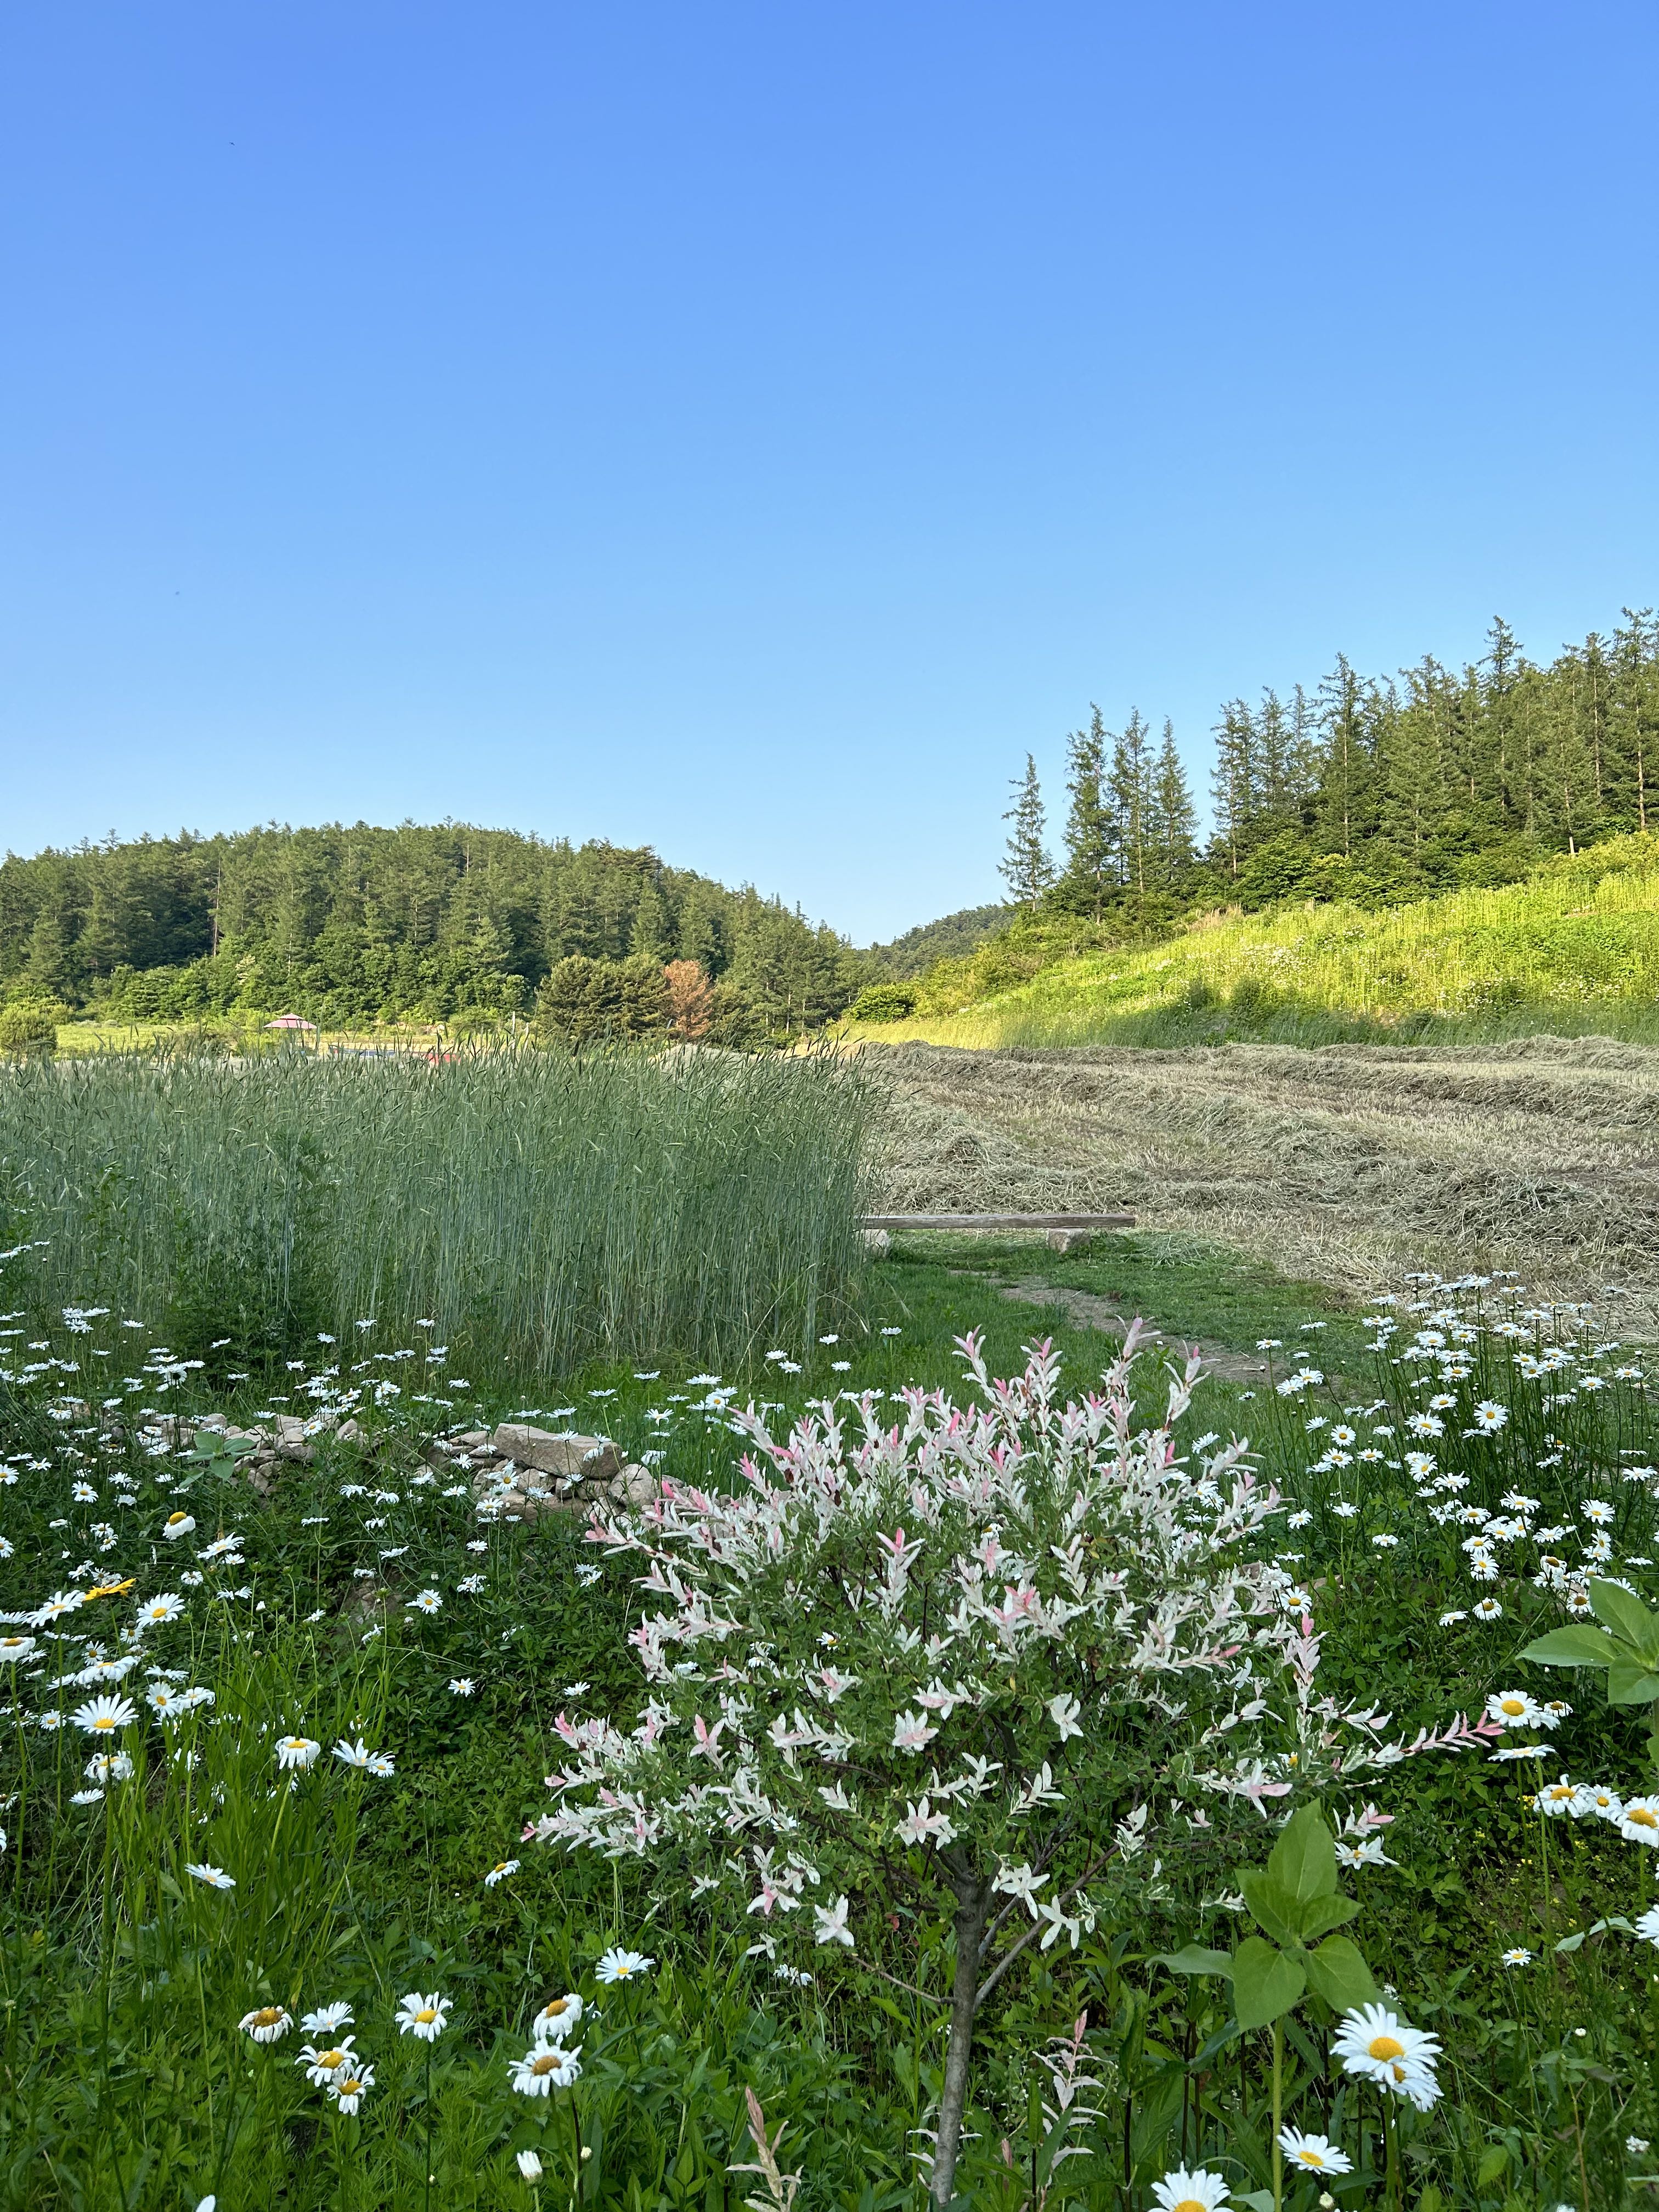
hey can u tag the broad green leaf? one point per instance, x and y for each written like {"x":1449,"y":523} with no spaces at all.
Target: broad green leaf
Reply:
{"x":1630,"y":1683}
{"x":1573,"y":1647}
{"x":1322,"y":1914}
{"x":1491,"y":2166}
{"x":1266,"y":1983}
{"x":1303,"y":1860}
{"x":1193,"y":1959}
{"x":1599,"y":1928}
{"x":1272,"y":1908}
{"x":1624,"y":1613}
{"x":1259,"y":2200}
{"x":1338,"y":1974}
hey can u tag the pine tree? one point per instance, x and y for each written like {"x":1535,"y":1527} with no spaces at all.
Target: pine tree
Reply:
{"x":1088,"y":839}
{"x":1128,"y":785}
{"x":1172,"y":818}
{"x":1232,"y":781}
{"x":1027,"y":869}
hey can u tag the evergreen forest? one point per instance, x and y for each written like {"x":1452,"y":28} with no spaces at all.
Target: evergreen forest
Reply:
{"x":1373,"y":790}
{"x":1378,"y":790}
{"x":453,"y":923}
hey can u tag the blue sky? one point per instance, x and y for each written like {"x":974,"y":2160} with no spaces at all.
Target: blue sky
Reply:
{"x":748,"y":430}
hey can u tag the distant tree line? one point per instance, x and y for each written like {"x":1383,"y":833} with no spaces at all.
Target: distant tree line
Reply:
{"x":354,"y":924}
{"x":1377,"y":789}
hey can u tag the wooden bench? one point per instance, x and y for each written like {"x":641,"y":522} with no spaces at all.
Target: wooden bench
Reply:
{"x":1063,"y":1232}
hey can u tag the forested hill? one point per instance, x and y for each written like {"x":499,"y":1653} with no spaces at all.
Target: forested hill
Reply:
{"x":1374,"y":789}
{"x":345,"y":923}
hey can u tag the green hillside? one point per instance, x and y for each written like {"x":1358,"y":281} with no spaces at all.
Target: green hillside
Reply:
{"x":1574,"y":946}
{"x":349,"y":923}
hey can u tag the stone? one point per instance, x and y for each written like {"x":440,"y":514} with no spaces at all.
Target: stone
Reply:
{"x":877,"y":1242}
{"x":1069,"y":1240}
{"x":349,"y":1433}
{"x":637,"y":1485}
{"x":590,"y":1459}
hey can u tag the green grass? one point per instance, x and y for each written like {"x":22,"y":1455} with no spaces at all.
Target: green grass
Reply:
{"x":125,"y":2081}
{"x":525,"y":1209}
{"x":1575,"y":949}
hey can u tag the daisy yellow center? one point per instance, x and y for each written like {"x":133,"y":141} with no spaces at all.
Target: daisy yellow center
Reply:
{"x":427,"y":2014}
{"x":1384,"y":2046}
{"x":1311,"y":2158}
{"x":103,"y":1721}
{"x":351,"y":2087}
{"x":174,"y":1519}
{"x":1514,"y":1705}
{"x":546,"y":2064}
{"x":1191,"y":2204}
{"x":330,"y":2059}
{"x":560,"y":2005}
{"x":1640,"y":1817}
{"x":267,"y":2016}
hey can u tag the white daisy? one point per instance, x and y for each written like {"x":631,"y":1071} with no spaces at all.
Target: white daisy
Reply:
{"x":620,"y":1965}
{"x":423,"y":2017}
{"x":1194,"y":2189}
{"x":1379,"y":2046}
{"x":269,"y":2024}
{"x":557,"y":2018}
{"x":348,"y":2087}
{"x":1313,"y":2154}
{"x":323,"y":2062}
{"x":544,"y":2068}
{"x":105,"y":1715}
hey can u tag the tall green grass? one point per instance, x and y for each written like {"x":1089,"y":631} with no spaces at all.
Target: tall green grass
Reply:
{"x":1574,"y":949}
{"x":539,"y":1209}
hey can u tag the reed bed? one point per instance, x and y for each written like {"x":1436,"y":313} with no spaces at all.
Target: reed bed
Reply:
{"x":528,"y":1210}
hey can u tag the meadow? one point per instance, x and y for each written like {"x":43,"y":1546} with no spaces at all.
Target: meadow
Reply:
{"x":1013,"y":1787}
{"x":1348,"y":1163}
{"x":1573,"y":950}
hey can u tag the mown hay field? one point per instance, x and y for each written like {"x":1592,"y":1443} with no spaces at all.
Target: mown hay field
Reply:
{"x":1341,"y":1164}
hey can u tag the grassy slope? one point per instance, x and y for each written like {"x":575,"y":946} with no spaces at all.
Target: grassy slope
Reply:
{"x":1576,"y":946}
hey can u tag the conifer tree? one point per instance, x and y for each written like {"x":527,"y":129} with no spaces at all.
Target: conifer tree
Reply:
{"x":1088,"y":831}
{"x":1128,"y":785}
{"x":1027,"y":868}
{"x":1172,"y":818}
{"x":1232,"y":782}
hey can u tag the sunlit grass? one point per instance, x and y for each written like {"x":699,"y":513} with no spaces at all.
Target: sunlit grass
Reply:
{"x":526,"y":1209}
{"x":1576,"y":947}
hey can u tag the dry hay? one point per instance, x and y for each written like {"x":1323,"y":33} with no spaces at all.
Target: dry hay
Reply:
{"x":1344,"y":1164}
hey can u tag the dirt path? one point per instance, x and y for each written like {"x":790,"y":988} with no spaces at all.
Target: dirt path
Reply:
{"x":1089,"y":1310}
